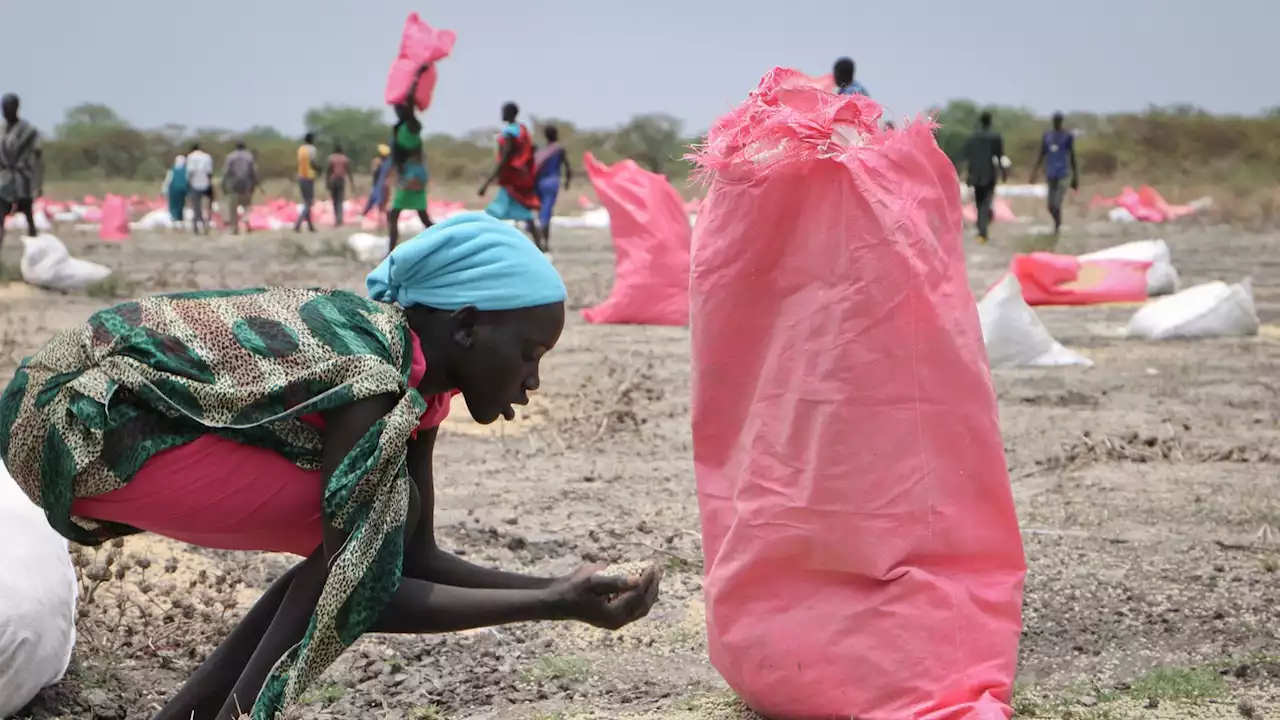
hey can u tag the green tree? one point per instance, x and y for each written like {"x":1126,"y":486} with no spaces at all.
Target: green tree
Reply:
{"x":89,"y":117}
{"x":360,"y":130}
{"x":653,"y":141}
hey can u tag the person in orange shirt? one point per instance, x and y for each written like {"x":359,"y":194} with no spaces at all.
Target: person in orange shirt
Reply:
{"x":308,"y":169}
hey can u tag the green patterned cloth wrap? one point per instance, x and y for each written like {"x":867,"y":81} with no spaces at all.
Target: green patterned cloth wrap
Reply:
{"x":83,"y":415}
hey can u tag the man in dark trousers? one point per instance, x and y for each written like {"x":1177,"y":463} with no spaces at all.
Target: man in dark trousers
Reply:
{"x":984,"y":156}
{"x":1057,"y":153}
{"x":21,"y":166}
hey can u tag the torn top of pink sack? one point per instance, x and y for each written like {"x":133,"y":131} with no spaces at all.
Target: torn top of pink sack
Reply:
{"x":786,"y":119}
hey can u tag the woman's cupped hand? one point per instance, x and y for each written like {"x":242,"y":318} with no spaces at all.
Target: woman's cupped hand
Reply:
{"x":605,"y":601}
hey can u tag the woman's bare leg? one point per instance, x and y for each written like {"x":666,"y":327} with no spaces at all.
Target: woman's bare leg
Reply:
{"x":207,"y":688}
{"x":285,"y":630}
{"x":393,"y":227}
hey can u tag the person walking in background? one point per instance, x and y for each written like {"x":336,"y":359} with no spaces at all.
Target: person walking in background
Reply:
{"x":380,"y":193}
{"x":308,"y":169}
{"x":337,"y":173}
{"x":410,"y":164}
{"x":199,"y":185}
{"x":984,"y":153}
{"x":175,"y":190}
{"x":239,"y":180}
{"x":843,"y":74}
{"x":1057,"y":153}
{"x":550,"y":163}
{"x":21,"y":166}
{"x":517,"y":197}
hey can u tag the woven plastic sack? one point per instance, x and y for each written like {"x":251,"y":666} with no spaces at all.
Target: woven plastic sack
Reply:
{"x":1162,"y":276}
{"x":47,"y":263}
{"x":420,"y":43}
{"x":1050,"y":279}
{"x":38,"y":592}
{"x":1211,"y":310}
{"x":115,"y":219}
{"x":1014,"y":335}
{"x":862,"y":552}
{"x":651,"y":236}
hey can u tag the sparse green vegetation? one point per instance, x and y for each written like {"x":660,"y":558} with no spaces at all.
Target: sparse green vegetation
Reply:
{"x":1178,"y":683}
{"x":553,"y":668}
{"x":428,"y":712}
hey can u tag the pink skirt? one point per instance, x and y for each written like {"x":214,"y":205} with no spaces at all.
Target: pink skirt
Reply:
{"x":217,"y":493}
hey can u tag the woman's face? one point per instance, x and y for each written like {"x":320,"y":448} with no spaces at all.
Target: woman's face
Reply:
{"x":498,"y":364}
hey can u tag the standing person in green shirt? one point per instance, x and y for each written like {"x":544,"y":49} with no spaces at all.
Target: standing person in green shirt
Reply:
{"x":984,"y":153}
{"x":410,"y":164}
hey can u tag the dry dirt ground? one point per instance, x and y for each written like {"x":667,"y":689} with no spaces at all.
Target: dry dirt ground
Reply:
{"x":1145,"y":486}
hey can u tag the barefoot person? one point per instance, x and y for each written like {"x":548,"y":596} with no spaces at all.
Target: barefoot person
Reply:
{"x":304,"y":421}
{"x":1057,"y":155}
{"x":517,"y":197}
{"x":550,"y":163}
{"x":21,"y":167}
{"x":410,"y":164}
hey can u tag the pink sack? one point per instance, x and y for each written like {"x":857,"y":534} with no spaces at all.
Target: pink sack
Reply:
{"x":863,"y":557}
{"x":115,"y":219}
{"x":419,"y":44}
{"x":1050,"y":279}
{"x":651,"y":234}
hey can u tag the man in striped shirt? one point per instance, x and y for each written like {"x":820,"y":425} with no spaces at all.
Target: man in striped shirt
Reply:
{"x":21,"y":166}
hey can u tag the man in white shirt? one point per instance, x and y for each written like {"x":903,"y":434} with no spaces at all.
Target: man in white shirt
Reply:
{"x":199,"y":182}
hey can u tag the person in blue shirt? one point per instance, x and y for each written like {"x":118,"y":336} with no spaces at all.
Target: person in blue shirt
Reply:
{"x":1057,"y":153}
{"x":843,"y":73}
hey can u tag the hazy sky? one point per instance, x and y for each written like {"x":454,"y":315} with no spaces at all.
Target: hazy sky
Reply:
{"x":236,"y":63}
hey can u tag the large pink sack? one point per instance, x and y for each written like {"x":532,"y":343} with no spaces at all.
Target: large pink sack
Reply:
{"x":420,"y":43}
{"x":651,"y":233}
{"x":862,"y":552}
{"x":115,"y":219}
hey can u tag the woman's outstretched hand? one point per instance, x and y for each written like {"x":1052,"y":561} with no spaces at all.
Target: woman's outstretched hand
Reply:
{"x":604,"y":601}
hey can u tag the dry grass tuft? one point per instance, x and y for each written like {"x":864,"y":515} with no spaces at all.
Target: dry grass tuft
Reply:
{"x":134,"y":606}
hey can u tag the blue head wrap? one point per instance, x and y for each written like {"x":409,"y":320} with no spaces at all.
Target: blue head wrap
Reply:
{"x":470,"y":259}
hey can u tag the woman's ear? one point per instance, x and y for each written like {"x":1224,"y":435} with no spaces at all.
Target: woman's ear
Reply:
{"x":464,"y":326}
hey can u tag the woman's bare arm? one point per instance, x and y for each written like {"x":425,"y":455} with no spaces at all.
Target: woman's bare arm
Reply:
{"x":425,"y":560}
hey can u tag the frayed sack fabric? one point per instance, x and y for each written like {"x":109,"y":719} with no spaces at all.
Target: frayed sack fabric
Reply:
{"x":862,"y":552}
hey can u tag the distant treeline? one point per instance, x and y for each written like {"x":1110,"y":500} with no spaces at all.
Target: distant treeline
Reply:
{"x":1179,"y":145}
